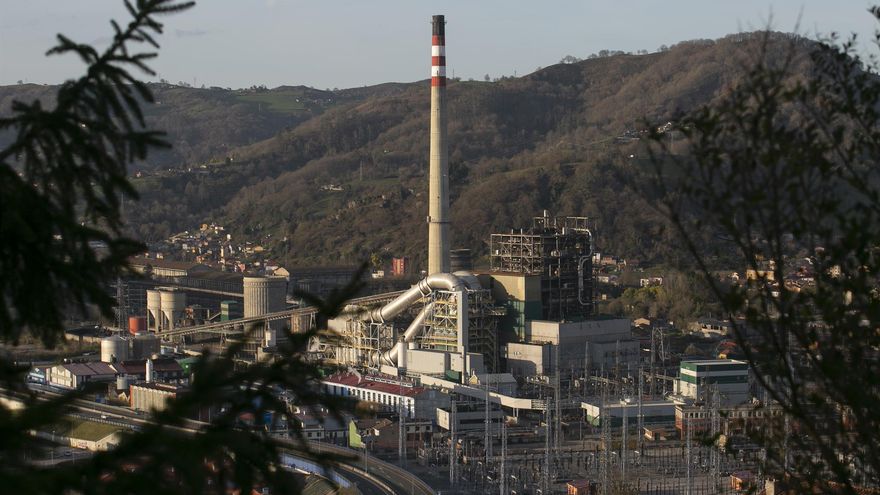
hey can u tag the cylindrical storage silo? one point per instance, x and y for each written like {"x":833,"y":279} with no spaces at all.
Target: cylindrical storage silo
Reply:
{"x":264,"y":295}
{"x":144,"y":346}
{"x":114,"y":349}
{"x":154,"y":309}
{"x":173,"y":307}
{"x":137,"y":324}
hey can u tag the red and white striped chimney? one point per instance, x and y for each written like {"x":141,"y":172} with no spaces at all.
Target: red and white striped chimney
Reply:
{"x":438,"y":186}
{"x":438,"y":51}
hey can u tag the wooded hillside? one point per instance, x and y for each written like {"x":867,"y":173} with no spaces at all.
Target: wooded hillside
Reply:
{"x":564,"y":138}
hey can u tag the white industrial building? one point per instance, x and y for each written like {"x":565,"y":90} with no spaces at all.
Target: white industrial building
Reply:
{"x":597,"y":344}
{"x":469,"y":417}
{"x":653,"y":412}
{"x":389,"y":394}
{"x":699,"y":379}
{"x":75,"y":375}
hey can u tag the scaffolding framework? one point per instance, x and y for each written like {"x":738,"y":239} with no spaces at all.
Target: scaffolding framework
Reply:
{"x":442,"y":331}
{"x":558,"y":249}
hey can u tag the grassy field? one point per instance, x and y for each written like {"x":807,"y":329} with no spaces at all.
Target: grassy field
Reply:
{"x":276,"y":101}
{"x":87,"y":430}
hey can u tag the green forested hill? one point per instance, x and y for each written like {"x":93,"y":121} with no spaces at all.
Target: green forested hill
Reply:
{"x":562,"y":139}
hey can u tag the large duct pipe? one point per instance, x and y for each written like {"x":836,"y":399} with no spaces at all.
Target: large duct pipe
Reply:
{"x":438,"y":187}
{"x":392,"y":356}
{"x":437,"y":281}
{"x":442,"y":281}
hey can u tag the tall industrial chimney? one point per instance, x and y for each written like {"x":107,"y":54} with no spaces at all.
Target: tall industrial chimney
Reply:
{"x":438,"y":189}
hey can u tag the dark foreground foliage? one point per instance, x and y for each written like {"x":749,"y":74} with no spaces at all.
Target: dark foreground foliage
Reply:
{"x":785,"y":168}
{"x":61,"y":180}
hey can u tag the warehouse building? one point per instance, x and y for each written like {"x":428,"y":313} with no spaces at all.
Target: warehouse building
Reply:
{"x":148,"y":396}
{"x":387,"y":393}
{"x":76,"y":375}
{"x":653,"y":412}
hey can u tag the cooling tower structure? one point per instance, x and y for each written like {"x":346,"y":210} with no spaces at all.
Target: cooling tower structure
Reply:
{"x":438,"y":186}
{"x":114,"y":349}
{"x":262,"y":296}
{"x":173,"y":307}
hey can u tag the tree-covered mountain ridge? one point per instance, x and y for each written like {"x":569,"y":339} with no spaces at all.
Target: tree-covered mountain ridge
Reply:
{"x":337,"y":176}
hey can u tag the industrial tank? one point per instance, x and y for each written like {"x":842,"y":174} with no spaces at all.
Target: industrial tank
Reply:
{"x":154,"y":309}
{"x":144,"y":346}
{"x":173,"y":307}
{"x":114,"y":349}
{"x":137,"y":324}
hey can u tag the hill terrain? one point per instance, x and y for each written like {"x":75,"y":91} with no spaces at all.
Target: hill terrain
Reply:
{"x":324,"y":176}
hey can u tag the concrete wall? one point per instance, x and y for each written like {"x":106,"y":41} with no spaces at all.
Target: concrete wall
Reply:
{"x":528,"y":359}
{"x":578,"y":331}
{"x":427,"y":361}
{"x":475,"y":362}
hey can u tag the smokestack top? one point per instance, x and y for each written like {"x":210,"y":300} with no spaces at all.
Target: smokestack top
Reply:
{"x":438,"y":51}
{"x":439,"y":24}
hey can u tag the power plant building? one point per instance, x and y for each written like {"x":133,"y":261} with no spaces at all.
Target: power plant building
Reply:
{"x":559,"y":250}
{"x":699,"y":379}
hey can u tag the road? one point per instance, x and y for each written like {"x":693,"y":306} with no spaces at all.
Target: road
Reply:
{"x":400,"y":480}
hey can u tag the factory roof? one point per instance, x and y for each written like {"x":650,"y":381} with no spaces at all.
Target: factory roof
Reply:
{"x":89,"y":369}
{"x":163,"y":263}
{"x":713,"y":365}
{"x":375,"y":384}
{"x":164,"y":387}
{"x":300,"y":270}
{"x":139,"y":367}
{"x":218,"y":275}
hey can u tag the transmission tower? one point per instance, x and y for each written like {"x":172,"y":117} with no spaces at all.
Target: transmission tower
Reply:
{"x":488,"y":424}
{"x":121,"y":304}
{"x":556,"y":415}
{"x":640,"y":433}
{"x":452,"y":457}
{"x":688,"y":428}
{"x":624,"y":426}
{"x":503,"y":467}
{"x":401,"y":441}
{"x":605,"y":421}
{"x":545,"y":475}
{"x":714,"y":457}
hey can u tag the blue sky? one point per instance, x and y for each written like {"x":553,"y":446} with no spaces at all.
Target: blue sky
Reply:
{"x":348,"y":43}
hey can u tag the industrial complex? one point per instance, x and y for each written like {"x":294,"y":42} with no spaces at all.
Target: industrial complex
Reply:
{"x":501,"y":378}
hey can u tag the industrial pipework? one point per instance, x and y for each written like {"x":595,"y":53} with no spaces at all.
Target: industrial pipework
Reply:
{"x":438,"y":188}
{"x":437,"y":281}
